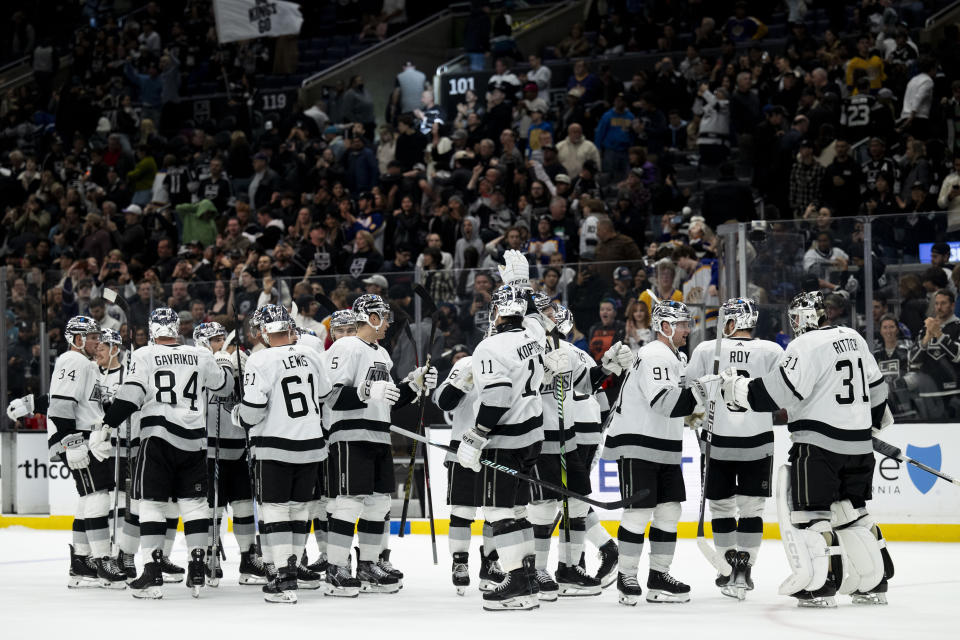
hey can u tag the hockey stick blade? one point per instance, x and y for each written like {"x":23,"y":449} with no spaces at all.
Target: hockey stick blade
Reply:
{"x":429,"y":306}
{"x":887,"y":449}
{"x":113,"y":297}
{"x":617,"y":504}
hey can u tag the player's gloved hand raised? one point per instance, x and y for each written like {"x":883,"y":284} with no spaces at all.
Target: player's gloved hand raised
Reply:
{"x":472,"y":442}
{"x":422,"y":377}
{"x":735,"y":389}
{"x":76,"y":450}
{"x":239,"y":359}
{"x":617,"y":358}
{"x":20,"y":407}
{"x":555,"y":363}
{"x":463,"y":381}
{"x":227,"y":361}
{"x":379,"y":391}
{"x":705,"y":389}
{"x":516,"y":270}
{"x":99,"y":444}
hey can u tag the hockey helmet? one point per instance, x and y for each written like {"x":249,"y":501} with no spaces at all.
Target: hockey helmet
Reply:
{"x":509,"y":302}
{"x":369,"y":304}
{"x":563,"y":317}
{"x":274,"y":319}
{"x":671,"y":312}
{"x":342,"y":318}
{"x":82,"y":326}
{"x":204,"y":331}
{"x":805,"y":311}
{"x":164,"y":323}
{"x":742,"y":312}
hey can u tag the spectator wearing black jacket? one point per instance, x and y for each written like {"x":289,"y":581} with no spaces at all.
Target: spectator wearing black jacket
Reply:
{"x":729,"y":199}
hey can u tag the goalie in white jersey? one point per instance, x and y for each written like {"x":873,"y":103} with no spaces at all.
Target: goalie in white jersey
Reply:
{"x":834,"y":394}
{"x":75,"y":438}
{"x":738,"y":476}
{"x":280,"y":407}
{"x":166,"y":383}
{"x":361,"y":457}
{"x":646,"y":440}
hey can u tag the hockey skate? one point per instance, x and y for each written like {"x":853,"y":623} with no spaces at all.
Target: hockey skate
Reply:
{"x":384,"y":563}
{"x":573,"y":581}
{"x":877,"y":595}
{"x":171,"y":572}
{"x":547,"y":585}
{"x":738,"y":582}
{"x":307,"y":579}
{"x":83,"y":572}
{"x":629,"y":589}
{"x":823,"y":598}
{"x":127,"y":564}
{"x":283,"y":589}
{"x":149,"y":586}
{"x":373,"y":579}
{"x":110,"y":575}
{"x":512,"y":594}
{"x":340,"y":583}
{"x":252,"y":570}
{"x":490,"y":572}
{"x":609,"y":555}
{"x":195,"y":572}
{"x":662,"y":587}
{"x":320,"y":566}
{"x":461,"y":572}
{"x":212,"y":569}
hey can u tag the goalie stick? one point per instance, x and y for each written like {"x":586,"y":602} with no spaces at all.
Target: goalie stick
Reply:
{"x":616,"y":504}
{"x":114,"y":298}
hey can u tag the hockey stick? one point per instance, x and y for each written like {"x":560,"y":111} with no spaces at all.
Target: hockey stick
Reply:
{"x":430,"y":307}
{"x":213,"y":561}
{"x":111,"y":296}
{"x":238,"y":328}
{"x":887,"y":449}
{"x":616,"y":504}
{"x":560,"y":392}
{"x":325,"y":302}
{"x":709,"y":552}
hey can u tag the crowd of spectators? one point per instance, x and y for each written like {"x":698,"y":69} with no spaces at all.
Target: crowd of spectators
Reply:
{"x":614,"y":193}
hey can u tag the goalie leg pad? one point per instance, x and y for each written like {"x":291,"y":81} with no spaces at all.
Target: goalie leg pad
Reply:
{"x":807,"y":549}
{"x":860,"y":548}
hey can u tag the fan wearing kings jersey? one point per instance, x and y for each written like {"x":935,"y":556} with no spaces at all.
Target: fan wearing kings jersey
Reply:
{"x":738,"y":478}
{"x":166,"y":383}
{"x":361,"y":457}
{"x":834,"y":394}
{"x":280,"y":407}
{"x":76,"y":438}
{"x":226,"y":448}
{"x":646,"y":440}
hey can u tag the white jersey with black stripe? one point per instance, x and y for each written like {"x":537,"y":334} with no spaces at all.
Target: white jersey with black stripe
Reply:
{"x":281,"y":403}
{"x":464,"y":415}
{"x":110,"y":382}
{"x":351,"y":364}
{"x":738,"y":435}
{"x":75,"y":395}
{"x":575,"y":379}
{"x":168,"y":382}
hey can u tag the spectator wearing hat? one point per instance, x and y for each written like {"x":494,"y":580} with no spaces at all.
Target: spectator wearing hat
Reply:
{"x":621,"y":292}
{"x":940,"y":257}
{"x":536,"y":140}
{"x":614,"y":137}
{"x":949,"y":198}
{"x":376,"y":285}
{"x":806,"y":176}
{"x":263,"y":183}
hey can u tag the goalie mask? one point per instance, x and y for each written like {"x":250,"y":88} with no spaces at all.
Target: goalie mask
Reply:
{"x":672,"y":313}
{"x":205,"y":331}
{"x":274,"y":319}
{"x":742,"y":312}
{"x":805,"y":312}
{"x":367,"y":305}
{"x":564,"y":319}
{"x":82,"y":326}
{"x":509,"y":302}
{"x":164,"y":323}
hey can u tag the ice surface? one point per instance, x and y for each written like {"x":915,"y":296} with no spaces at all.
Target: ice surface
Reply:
{"x":34,"y":602}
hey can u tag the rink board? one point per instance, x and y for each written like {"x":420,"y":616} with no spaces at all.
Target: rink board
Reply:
{"x":913,"y":504}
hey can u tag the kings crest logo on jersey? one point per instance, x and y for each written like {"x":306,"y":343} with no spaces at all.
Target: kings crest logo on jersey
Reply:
{"x":378,"y":371}
{"x":100,"y":394}
{"x":932,"y":457}
{"x":551,"y":388}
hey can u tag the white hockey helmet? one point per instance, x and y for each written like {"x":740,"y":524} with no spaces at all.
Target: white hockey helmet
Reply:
{"x":82,"y":326}
{"x":672,"y":313}
{"x":805,"y":312}
{"x":742,"y":312}
{"x":342,"y":318}
{"x":204,"y":331}
{"x":164,"y":323}
{"x":369,"y":304}
{"x":274,"y":319}
{"x":563,"y":317}
{"x":509,"y":302}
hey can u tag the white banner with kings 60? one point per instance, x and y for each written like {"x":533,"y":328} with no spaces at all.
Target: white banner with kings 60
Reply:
{"x":902,"y":493}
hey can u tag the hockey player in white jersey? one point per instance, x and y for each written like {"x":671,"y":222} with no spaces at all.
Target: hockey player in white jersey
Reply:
{"x":166,"y":383}
{"x":226,"y":449}
{"x":74,"y":417}
{"x":738,"y":480}
{"x":560,"y":461}
{"x":361,"y":458}
{"x":588,"y":412}
{"x":834,"y":394}
{"x":342,"y":323}
{"x":280,"y":407}
{"x":646,"y":439}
